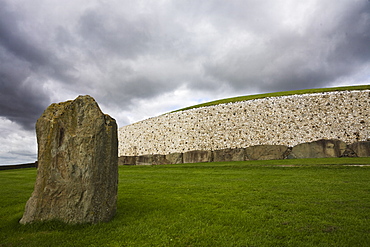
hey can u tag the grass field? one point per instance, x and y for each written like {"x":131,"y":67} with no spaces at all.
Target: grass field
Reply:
{"x":276,"y":94}
{"x":311,"y":202}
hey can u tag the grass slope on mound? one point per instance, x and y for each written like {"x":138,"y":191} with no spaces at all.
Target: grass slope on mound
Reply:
{"x":277,"y":94}
{"x":316,"y":202}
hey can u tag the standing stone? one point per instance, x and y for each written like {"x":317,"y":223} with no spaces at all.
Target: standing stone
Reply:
{"x":77,"y":175}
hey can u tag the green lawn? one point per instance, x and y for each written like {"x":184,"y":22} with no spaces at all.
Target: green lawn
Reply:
{"x":276,"y":94}
{"x":311,"y":202}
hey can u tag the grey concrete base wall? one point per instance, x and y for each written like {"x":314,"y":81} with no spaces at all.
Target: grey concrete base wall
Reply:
{"x":316,"y":149}
{"x":286,"y":121}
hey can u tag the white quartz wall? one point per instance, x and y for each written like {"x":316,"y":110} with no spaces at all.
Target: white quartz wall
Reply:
{"x":287,"y":120}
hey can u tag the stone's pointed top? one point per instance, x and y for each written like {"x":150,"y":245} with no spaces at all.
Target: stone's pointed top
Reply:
{"x":80,"y":105}
{"x":80,"y":98}
{"x":85,"y":98}
{"x":77,"y":164}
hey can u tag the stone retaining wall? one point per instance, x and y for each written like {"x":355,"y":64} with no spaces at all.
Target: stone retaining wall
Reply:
{"x":286,"y":120}
{"x":317,"y":149}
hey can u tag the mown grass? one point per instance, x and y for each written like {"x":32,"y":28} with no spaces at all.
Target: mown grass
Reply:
{"x":310,"y":202}
{"x":276,"y":94}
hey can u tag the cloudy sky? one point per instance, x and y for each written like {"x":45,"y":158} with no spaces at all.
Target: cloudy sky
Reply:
{"x":139,"y":59}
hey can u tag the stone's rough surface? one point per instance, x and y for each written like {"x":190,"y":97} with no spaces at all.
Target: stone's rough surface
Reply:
{"x":77,"y":164}
{"x":144,"y":160}
{"x":229,"y":154}
{"x":266,"y":152}
{"x":151,"y":159}
{"x":287,"y":120}
{"x":159,"y":159}
{"x":318,"y":149}
{"x":361,"y":149}
{"x":198,"y":156}
{"x":349,"y":153}
{"x":175,"y":158}
{"x":127,"y":160}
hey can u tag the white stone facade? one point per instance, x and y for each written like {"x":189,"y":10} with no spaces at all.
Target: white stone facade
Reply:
{"x":286,"y":120}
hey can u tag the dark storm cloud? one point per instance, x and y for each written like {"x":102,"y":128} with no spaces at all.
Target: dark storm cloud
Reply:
{"x":25,"y":67}
{"x":114,"y":34}
{"x":21,"y":100}
{"x":334,"y":44}
{"x":19,"y":43}
{"x":353,"y":34}
{"x":15,"y":43}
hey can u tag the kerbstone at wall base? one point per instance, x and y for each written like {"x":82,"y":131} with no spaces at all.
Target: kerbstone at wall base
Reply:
{"x":266,"y":152}
{"x":175,"y":158}
{"x":361,"y":149}
{"x":143,"y":160}
{"x":159,"y":159}
{"x":127,"y":160}
{"x":318,"y":149}
{"x":198,"y":156}
{"x":151,"y":159}
{"x":229,"y":154}
{"x":349,"y":153}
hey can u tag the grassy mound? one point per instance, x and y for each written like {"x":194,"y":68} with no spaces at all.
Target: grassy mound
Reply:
{"x":309,"y":202}
{"x":277,"y":94}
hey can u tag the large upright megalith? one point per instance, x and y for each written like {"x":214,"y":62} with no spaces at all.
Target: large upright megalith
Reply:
{"x":77,"y":173}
